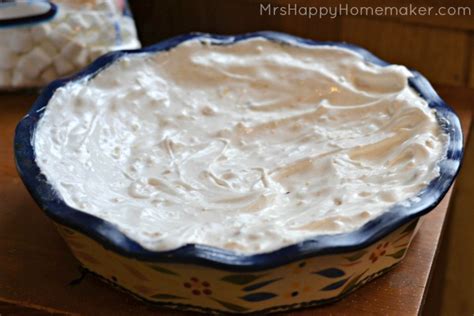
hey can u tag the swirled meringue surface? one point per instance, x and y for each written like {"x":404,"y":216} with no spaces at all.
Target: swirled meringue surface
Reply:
{"x":249,"y":147}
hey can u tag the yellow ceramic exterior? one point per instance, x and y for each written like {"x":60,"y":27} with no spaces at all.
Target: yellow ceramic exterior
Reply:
{"x":313,"y":281}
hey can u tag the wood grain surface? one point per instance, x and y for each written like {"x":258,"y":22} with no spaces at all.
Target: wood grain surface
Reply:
{"x":412,"y":45}
{"x":36,"y":268}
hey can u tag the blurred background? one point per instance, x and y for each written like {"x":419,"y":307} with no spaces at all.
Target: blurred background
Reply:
{"x":440,"y":47}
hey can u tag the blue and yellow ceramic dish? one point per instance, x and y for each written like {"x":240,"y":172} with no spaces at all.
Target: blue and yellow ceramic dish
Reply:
{"x":202,"y":278}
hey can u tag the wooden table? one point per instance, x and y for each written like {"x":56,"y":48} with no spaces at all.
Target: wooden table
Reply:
{"x":36,"y":267}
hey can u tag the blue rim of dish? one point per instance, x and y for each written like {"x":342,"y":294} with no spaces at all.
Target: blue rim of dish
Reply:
{"x":111,"y":238}
{"x":31,"y":19}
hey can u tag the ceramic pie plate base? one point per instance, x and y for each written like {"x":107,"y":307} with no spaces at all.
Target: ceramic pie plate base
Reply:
{"x":310,"y":282}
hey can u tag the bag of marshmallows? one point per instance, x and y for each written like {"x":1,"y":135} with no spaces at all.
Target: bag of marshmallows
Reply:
{"x":41,"y":41}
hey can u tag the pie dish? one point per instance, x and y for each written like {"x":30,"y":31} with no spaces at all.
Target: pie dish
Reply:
{"x":314,"y":271}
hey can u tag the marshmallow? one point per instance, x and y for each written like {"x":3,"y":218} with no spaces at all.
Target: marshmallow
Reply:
{"x":61,"y":35}
{"x":48,"y":75}
{"x":32,"y":63}
{"x":127,"y":28}
{"x":40,"y":32}
{"x":96,"y":52}
{"x":78,"y":23}
{"x":18,"y":79}
{"x":5,"y":78}
{"x":49,"y":48}
{"x":94,"y":18}
{"x":64,"y":28}
{"x":8,"y":59}
{"x":75,"y":53}
{"x":109,"y":6}
{"x":20,"y":41}
{"x":58,"y":40}
{"x":63,"y":67}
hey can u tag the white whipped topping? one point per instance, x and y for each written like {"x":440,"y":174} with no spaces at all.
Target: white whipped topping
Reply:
{"x":248,"y":147}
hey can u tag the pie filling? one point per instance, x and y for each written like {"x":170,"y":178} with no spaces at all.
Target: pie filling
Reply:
{"x":248,"y":147}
